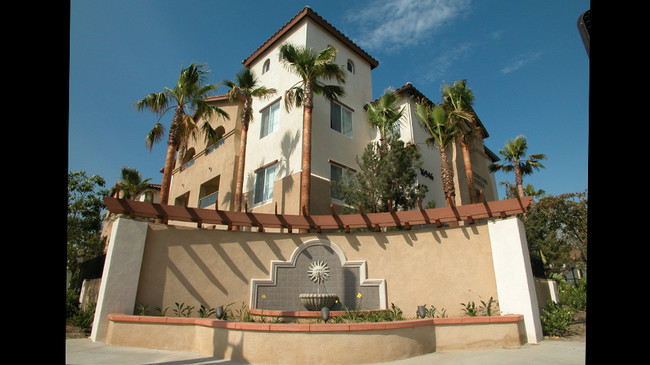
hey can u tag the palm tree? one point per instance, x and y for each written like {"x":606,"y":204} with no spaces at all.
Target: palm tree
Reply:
{"x":310,"y":66}
{"x":529,"y":190}
{"x":383,"y":115}
{"x":187,"y":101}
{"x":443,"y":132}
{"x":460,"y":99}
{"x":131,"y":183}
{"x":243,"y":89}
{"x":513,"y":152}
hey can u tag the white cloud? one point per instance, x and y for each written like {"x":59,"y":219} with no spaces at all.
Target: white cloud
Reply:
{"x":440,"y":65}
{"x":520,"y":62}
{"x":398,"y":23}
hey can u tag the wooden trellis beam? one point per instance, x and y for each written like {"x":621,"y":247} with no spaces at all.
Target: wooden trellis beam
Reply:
{"x":373,"y":221}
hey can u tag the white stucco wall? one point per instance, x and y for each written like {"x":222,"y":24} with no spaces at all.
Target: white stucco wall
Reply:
{"x":513,"y":273}
{"x":121,"y":274}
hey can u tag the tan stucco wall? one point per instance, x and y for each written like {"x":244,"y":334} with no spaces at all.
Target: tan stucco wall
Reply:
{"x":441,"y":267}
{"x":314,"y":344}
{"x":220,"y":162}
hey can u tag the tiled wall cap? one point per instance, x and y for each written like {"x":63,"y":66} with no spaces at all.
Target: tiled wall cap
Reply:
{"x":316,"y":327}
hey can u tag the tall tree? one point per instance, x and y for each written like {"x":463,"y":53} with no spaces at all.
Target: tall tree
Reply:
{"x":310,"y":66}
{"x":443,"y":132}
{"x":131,"y":183}
{"x":460,"y":100}
{"x":186,"y":98}
{"x":556,"y":226}
{"x":383,"y":115}
{"x":514,"y":152}
{"x":84,"y":220}
{"x":388,"y":175}
{"x":243,"y":89}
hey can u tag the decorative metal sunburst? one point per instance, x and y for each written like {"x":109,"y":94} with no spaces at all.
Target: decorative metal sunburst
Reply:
{"x":318,"y":271}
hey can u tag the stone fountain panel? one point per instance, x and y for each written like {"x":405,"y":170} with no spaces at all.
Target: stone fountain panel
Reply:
{"x":289,"y":279}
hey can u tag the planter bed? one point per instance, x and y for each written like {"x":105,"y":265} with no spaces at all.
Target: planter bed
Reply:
{"x":299,"y":343}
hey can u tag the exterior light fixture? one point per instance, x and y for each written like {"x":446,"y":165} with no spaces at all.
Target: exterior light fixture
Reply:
{"x":421,"y":311}
{"x":325,"y":314}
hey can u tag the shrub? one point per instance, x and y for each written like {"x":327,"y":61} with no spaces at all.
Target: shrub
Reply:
{"x":556,"y":319}
{"x":470,"y":309}
{"x":84,"y":319}
{"x":574,"y":296}
{"x":71,"y":304}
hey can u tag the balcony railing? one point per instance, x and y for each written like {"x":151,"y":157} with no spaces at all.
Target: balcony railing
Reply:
{"x":208,"y":200}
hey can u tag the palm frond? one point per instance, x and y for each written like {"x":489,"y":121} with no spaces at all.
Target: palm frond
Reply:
{"x":293,"y":97}
{"x":330,"y":92}
{"x":154,"y":136}
{"x":155,"y":102}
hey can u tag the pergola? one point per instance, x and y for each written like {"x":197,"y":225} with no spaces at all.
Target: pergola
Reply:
{"x":373,"y":221}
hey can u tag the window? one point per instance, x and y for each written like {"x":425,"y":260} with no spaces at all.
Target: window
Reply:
{"x":336,"y":174}
{"x":350,"y":66}
{"x":264,"y":179}
{"x":270,"y":119}
{"x":337,"y":170}
{"x":266,"y":66}
{"x":341,"y":119}
{"x":209,"y":192}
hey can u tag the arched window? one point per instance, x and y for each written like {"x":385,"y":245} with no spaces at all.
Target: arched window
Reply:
{"x":350,"y":66}
{"x":187,"y":157}
{"x":266,"y":66}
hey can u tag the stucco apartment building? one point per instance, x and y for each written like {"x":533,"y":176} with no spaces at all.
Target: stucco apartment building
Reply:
{"x":207,"y":174}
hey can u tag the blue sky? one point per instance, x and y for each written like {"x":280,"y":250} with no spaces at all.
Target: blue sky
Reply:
{"x":524,"y":60}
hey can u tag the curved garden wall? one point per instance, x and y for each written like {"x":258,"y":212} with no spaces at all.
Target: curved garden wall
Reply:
{"x":331,"y":343}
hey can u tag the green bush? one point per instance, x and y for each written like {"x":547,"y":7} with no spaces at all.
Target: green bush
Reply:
{"x":84,"y":319}
{"x":556,"y":319}
{"x":573,"y":296}
{"x":71,"y":304}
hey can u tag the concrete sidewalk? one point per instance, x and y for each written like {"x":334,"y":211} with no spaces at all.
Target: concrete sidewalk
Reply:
{"x":83,"y":351}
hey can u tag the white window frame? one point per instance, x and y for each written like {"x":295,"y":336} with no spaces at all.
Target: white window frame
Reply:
{"x":346,"y":123}
{"x":266,"y":66}
{"x":270,"y":119}
{"x":264,"y":179}
{"x":349,"y":65}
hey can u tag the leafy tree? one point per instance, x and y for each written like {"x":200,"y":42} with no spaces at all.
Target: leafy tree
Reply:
{"x":556,"y":228}
{"x":310,"y":66}
{"x":385,"y":175}
{"x":244,"y":88}
{"x":443,"y":132}
{"x":514,"y":152}
{"x":186,"y":98}
{"x":84,"y":219}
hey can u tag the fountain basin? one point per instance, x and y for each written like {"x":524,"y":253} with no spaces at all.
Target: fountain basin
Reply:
{"x":315,"y":302}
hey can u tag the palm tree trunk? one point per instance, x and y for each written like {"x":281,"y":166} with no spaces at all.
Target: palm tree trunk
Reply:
{"x":519,"y":181}
{"x":305,"y":175}
{"x":469,"y":174}
{"x":172,"y":146}
{"x":167,"y":176}
{"x":447,"y":179}
{"x":239,"y":186}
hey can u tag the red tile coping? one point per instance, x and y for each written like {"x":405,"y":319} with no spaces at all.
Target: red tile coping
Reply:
{"x":315,"y":327}
{"x":305,"y":314}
